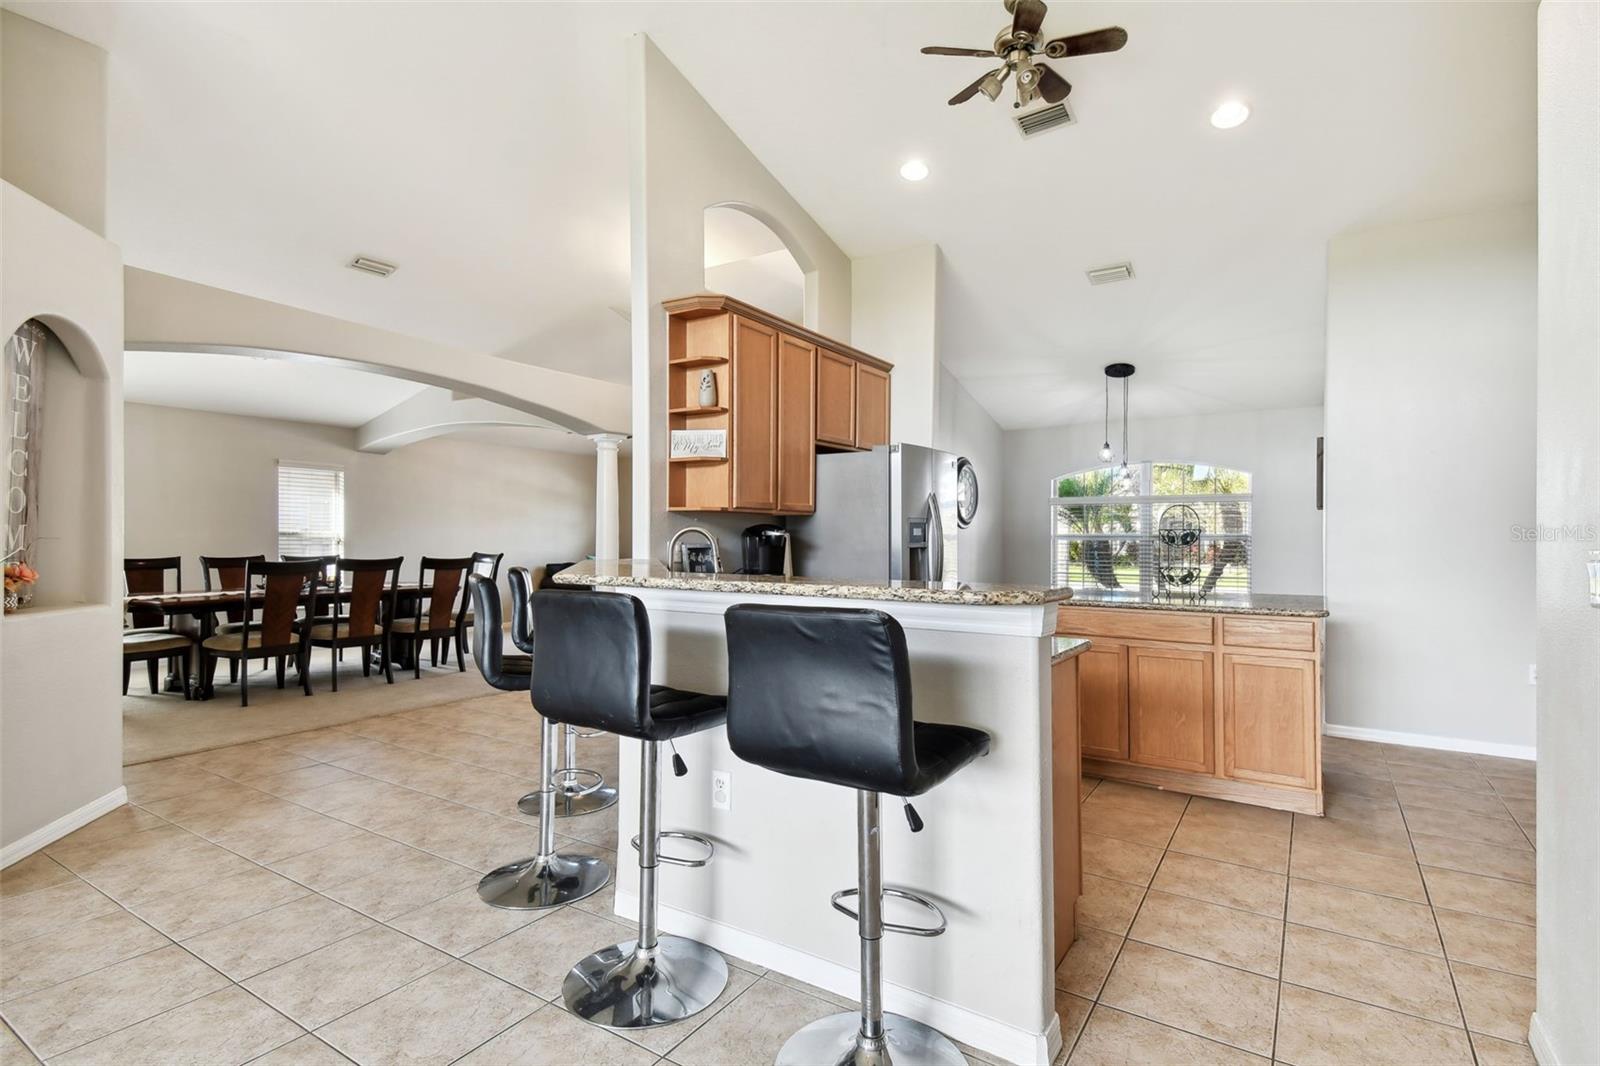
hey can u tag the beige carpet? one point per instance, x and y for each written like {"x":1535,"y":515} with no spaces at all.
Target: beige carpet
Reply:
{"x":161,"y":726}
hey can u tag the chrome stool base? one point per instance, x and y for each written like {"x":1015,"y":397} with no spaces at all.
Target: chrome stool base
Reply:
{"x":570,"y":805}
{"x":832,"y":1041}
{"x":616,"y":989}
{"x":537,"y":883}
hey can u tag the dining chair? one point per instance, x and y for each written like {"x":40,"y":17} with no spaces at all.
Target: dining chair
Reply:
{"x":285,"y":587}
{"x":446,"y":604}
{"x":150,"y":637}
{"x":486,"y":564}
{"x":230,"y":574}
{"x":374,"y":586}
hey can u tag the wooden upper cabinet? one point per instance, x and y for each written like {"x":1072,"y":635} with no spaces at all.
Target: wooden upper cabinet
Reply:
{"x":797,"y":409}
{"x":1269,"y":714}
{"x":1103,"y":700}
{"x":872,"y":406}
{"x":1170,"y":698}
{"x":754,"y":408}
{"x":836,"y":399}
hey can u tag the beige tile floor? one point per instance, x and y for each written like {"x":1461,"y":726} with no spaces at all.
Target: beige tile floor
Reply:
{"x":309,"y":899}
{"x":1398,"y":929}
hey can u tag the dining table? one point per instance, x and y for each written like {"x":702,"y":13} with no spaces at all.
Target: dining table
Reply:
{"x":193,"y":612}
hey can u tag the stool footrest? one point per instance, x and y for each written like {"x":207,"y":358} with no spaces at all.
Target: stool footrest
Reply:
{"x":674,"y":860}
{"x":896,"y":927}
{"x":566,"y":777}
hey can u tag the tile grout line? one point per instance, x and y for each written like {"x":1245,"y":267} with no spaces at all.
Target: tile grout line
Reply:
{"x":1283,"y":944}
{"x":1439,"y":932}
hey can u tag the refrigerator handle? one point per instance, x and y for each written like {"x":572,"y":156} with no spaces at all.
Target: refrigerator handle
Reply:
{"x":935,"y":539}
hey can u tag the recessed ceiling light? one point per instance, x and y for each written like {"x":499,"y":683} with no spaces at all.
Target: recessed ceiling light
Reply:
{"x":913,"y":170}
{"x":1230,"y":114}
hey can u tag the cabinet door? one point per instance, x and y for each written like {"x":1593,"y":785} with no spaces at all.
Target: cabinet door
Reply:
{"x":872,"y":406}
{"x":754,"y":410}
{"x":836,"y":399}
{"x":1269,"y":720}
{"x":1066,"y":772}
{"x":1103,"y":700}
{"x":797,"y":406}
{"x":1170,"y":709}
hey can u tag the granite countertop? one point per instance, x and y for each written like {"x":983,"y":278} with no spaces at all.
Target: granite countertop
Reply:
{"x":648,"y":574}
{"x":1218,"y":603}
{"x":1064,"y":648}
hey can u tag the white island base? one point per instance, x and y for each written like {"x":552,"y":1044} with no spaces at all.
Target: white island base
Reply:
{"x":784,"y":844}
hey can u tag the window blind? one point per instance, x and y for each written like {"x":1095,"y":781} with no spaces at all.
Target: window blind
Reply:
{"x":310,"y":510}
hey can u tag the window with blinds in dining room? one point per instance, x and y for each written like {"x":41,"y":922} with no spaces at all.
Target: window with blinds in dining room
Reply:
{"x":1103,"y":527}
{"x":310,"y":509}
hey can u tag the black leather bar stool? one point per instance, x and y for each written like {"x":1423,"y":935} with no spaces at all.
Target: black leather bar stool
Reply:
{"x":579,"y":790}
{"x":549,"y":879}
{"x":825,"y":693}
{"x":510,"y":673}
{"x":591,"y":667}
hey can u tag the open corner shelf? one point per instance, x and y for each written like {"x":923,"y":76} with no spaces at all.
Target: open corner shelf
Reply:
{"x":697,"y":411}
{"x":699,"y":360}
{"x":697,"y":459}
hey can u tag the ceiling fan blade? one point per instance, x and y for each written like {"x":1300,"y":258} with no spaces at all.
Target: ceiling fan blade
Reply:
{"x":1052,"y":86}
{"x":969,"y":92}
{"x":1082,"y":44}
{"x":938,"y":50}
{"x":1027,"y":16}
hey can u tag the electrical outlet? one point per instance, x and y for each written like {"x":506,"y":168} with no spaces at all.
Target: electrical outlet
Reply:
{"x":722,"y":790}
{"x":1533,"y":674}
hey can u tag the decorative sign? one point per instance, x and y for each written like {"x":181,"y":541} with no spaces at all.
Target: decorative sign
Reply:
{"x":24,"y":398}
{"x":699,"y":444}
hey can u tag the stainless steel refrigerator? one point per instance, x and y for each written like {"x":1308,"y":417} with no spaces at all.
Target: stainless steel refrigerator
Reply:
{"x":884,"y":515}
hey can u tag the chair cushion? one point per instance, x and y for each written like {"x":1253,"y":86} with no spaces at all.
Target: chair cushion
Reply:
{"x":231,"y":641}
{"x":676,"y":712}
{"x":149,"y":641}
{"x":324,"y":631}
{"x":228,"y":627}
{"x":941,"y":751}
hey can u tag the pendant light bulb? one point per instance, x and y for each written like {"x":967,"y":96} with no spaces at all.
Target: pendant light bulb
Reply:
{"x":1105,"y":452}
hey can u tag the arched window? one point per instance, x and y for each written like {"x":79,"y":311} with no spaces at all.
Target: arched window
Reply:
{"x":1105,"y":532}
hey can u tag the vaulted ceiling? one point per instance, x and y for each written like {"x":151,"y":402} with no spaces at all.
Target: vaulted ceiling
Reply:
{"x":483,"y":149}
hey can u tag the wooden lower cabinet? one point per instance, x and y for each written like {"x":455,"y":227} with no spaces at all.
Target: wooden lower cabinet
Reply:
{"x":1102,"y":692}
{"x":1066,"y":774}
{"x":1222,"y":705}
{"x":1268,"y":719}
{"x":1170,"y":698}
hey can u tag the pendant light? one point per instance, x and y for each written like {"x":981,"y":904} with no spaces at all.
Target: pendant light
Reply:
{"x":1123,"y":371}
{"x":1105,"y":449}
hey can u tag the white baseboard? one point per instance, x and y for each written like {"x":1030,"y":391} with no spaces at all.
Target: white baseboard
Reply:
{"x":43,"y":837}
{"x":1424,"y":740}
{"x":982,"y":1032}
{"x":1539,"y":1042}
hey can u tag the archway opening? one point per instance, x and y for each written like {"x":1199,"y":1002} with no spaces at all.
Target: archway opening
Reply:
{"x":746,"y":259}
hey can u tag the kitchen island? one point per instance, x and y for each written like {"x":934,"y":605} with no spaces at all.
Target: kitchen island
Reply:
{"x":1216,"y":696}
{"x":999,"y":851}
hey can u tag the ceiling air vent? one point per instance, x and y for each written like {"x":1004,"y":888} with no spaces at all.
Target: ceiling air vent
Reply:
{"x":1107,"y":274}
{"x":371,"y":266}
{"x":1042,"y":119}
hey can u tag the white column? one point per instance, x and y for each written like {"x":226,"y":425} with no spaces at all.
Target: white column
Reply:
{"x":605,"y":494}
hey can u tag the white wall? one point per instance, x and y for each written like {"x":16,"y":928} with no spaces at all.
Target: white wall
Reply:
{"x":1430,"y":463}
{"x":965,"y":428}
{"x":894,"y":308}
{"x":683,"y":159}
{"x":199,"y":482}
{"x":1277,"y":448}
{"x":1566,"y":1024}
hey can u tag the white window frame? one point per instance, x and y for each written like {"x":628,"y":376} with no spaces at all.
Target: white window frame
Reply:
{"x":1145,"y":502}
{"x":338,"y":539}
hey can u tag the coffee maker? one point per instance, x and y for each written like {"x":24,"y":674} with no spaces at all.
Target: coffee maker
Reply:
{"x":766,"y":549}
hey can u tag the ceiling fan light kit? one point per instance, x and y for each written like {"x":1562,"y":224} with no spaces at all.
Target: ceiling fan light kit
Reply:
{"x":1018,"y":45}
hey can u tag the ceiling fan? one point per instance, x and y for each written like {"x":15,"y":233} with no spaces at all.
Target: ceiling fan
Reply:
{"x":1018,"y":44}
